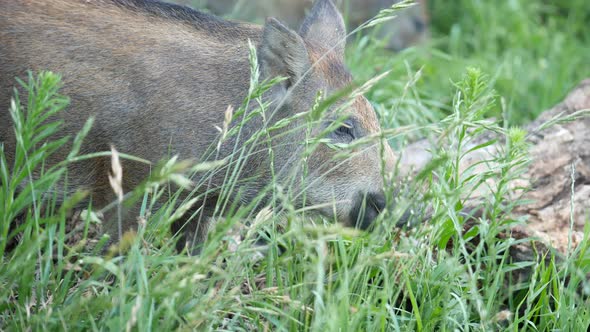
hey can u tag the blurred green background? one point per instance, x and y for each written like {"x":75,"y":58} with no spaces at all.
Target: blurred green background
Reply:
{"x":534,"y":52}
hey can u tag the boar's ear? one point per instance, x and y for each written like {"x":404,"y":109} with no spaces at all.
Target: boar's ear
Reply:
{"x":323,"y":29}
{"x":282,"y":53}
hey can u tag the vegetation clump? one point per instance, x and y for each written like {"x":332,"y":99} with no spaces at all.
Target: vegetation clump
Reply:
{"x":308,"y":273}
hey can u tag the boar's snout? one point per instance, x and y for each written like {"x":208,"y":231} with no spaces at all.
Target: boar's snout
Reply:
{"x":366,"y":209}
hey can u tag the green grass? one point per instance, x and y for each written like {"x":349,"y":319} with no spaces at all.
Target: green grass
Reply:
{"x":315,"y":275}
{"x":534,"y":51}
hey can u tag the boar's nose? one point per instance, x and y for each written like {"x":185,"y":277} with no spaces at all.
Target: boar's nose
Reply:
{"x":366,"y":209}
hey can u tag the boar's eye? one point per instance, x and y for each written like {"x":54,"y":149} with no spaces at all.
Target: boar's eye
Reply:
{"x":346,"y":131}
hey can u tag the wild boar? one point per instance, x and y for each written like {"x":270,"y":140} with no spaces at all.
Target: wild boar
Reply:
{"x":158,"y":77}
{"x":408,"y":28}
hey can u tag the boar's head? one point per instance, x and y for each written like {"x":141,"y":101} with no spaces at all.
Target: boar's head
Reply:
{"x":312,"y":60}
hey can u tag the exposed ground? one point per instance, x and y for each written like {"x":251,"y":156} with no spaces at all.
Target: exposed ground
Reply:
{"x":560,"y":151}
